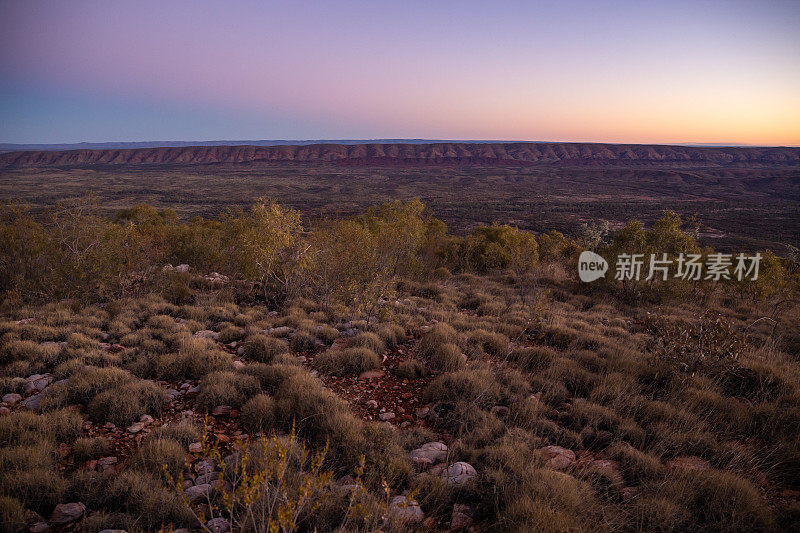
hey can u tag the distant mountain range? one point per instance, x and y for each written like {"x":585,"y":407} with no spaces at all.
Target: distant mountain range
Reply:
{"x":398,"y":153}
{"x":10,"y":147}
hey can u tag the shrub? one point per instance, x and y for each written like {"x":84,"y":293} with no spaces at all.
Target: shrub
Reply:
{"x":263,"y":349}
{"x":715,"y":500}
{"x":258,"y":414}
{"x":184,"y":432}
{"x":226,"y":388}
{"x":439,"y":335}
{"x":158,"y":454}
{"x":447,"y":358}
{"x":143,"y":496}
{"x":533,"y":359}
{"x":271,"y":377}
{"x":39,"y":489}
{"x":83,"y":387}
{"x":124,"y":404}
{"x":411,"y":369}
{"x":84,"y":449}
{"x":481,"y":341}
{"x":12,"y":514}
{"x":347,"y":362}
{"x":303,"y":341}
{"x":367,"y":340}
{"x":391,"y":334}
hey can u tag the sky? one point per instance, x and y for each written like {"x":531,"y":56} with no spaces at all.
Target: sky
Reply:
{"x":568,"y":70}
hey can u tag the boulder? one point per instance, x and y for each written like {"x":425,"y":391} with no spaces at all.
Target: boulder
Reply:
{"x":218,"y":525}
{"x":32,"y":402}
{"x":405,"y":510}
{"x":198,"y":492}
{"x":11,"y":398}
{"x":557,"y":457}
{"x":38,"y":382}
{"x":64,"y":513}
{"x":429,"y":454}
{"x":459,"y":473}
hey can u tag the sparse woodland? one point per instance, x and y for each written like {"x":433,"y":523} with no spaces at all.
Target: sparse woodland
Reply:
{"x":256,"y":372}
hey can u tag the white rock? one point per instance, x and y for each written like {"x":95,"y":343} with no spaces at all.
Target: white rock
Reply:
{"x":403,"y":509}
{"x":459,"y":473}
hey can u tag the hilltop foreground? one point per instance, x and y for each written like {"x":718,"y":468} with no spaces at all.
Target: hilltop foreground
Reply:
{"x":377,"y":372}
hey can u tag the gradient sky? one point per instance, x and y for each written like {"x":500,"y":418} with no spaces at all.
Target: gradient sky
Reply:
{"x":639,"y":71}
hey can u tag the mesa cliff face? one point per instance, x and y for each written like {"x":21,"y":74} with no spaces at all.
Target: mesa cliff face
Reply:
{"x":399,"y":154}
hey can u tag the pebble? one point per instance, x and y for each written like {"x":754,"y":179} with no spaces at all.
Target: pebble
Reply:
{"x":388,"y":415}
{"x":218,"y":525}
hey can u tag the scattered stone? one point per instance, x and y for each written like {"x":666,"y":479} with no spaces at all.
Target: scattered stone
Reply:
{"x":218,"y":525}
{"x":38,"y":382}
{"x":116,"y":348}
{"x":39,"y":527}
{"x":193,"y":390}
{"x":222,"y":410}
{"x":385,"y":417}
{"x":428,"y":455}
{"x":11,"y":398}
{"x":204,"y":466}
{"x":405,"y":510}
{"x":107,"y":462}
{"x":206,"y":334}
{"x":422,"y":412}
{"x":113,"y":531}
{"x":4,"y":410}
{"x":461,"y":517}
{"x":25,"y":321}
{"x":557,"y":457}
{"x":110,"y":426}
{"x":64,"y":513}
{"x":690,"y":462}
{"x":371,"y":374}
{"x":282,"y":331}
{"x":196,"y":447}
{"x":208,"y":478}
{"x":136,"y":427}
{"x":146,"y":419}
{"x":32,"y":402}
{"x":182,"y":268}
{"x":459,"y":473}
{"x":198,"y":492}
{"x":238,"y":364}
